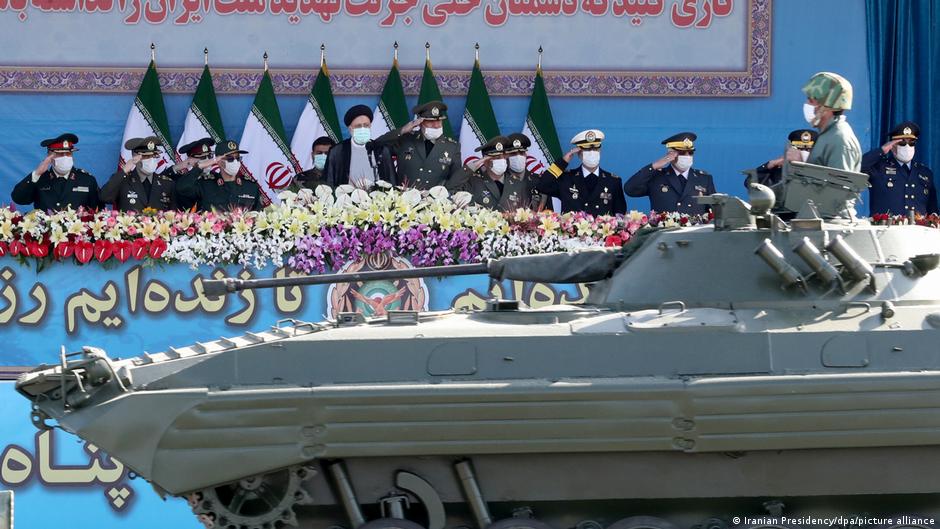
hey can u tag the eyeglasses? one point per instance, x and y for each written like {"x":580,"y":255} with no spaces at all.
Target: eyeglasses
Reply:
{"x":905,"y":143}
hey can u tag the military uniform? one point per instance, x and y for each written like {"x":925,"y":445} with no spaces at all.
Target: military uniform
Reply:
{"x":423,"y":164}
{"x":669,"y":190}
{"x":135,"y":192}
{"x":898,"y":188}
{"x":836,"y":145}
{"x":51,"y":191}
{"x":309,"y":179}
{"x":593,"y":191}
{"x":518,"y":146}
{"x":212,"y":192}
{"x":508,"y":192}
{"x":772,"y":177}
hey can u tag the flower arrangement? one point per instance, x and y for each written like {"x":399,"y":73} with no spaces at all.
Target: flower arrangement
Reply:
{"x":316,"y":231}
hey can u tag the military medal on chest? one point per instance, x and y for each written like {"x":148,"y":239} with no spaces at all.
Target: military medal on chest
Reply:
{"x":606,"y":196}
{"x":664,"y":189}
{"x":890,"y":183}
{"x":445,"y":159}
{"x":514,"y":198}
{"x":132,"y":197}
{"x":486,"y":196}
{"x":574,"y":192}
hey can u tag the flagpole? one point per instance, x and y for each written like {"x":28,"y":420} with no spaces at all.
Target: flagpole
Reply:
{"x":322,"y":54}
{"x":539,"y":67}
{"x":427,"y":51}
{"x":205,"y":52}
{"x":395,"y":53}
{"x":476,"y":55}
{"x":265,"y":58}
{"x":153,"y":53}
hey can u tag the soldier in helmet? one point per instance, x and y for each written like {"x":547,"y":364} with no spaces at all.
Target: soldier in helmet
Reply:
{"x":828,"y":96}
{"x":426,"y":158}
{"x":223,"y":189}
{"x":136,"y":185}
{"x":670,"y":182}
{"x":585,"y":188}
{"x":770,"y":173}
{"x":56,"y":183}
{"x":899,"y":185}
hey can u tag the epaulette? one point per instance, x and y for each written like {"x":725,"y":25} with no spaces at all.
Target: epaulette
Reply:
{"x":163,"y":176}
{"x":80,"y":171}
{"x":701,"y":172}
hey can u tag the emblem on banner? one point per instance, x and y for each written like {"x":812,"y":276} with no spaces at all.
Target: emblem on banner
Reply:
{"x":376,"y":298}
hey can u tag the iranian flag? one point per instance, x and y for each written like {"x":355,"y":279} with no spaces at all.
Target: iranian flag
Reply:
{"x":269,"y":160}
{"x":479,"y":120}
{"x":540,"y":129}
{"x":203,"y":120}
{"x":317,"y":119}
{"x":430,"y":92}
{"x":148,"y":118}
{"x":392,"y":112}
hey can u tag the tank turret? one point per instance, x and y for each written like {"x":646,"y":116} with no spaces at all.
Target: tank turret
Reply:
{"x":776,"y":368}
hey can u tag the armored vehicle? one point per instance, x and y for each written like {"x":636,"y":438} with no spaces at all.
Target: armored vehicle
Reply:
{"x":757,"y":372}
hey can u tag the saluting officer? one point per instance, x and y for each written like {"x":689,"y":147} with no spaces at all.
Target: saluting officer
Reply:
{"x":517,"y":155}
{"x":585,"y":188}
{"x":670,"y":182}
{"x":56,"y":183}
{"x":898,"y":183}
{"x":770,"y":173}
{"x":136,"y":186}
{"x":222,"y":189}
{"x":426,"y":158}
{"x":491,"y":185}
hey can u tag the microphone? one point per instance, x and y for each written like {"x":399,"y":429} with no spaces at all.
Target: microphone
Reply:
{"x":370,"y":146}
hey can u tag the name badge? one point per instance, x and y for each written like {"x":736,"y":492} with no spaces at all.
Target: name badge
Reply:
{"x":80,"y":189}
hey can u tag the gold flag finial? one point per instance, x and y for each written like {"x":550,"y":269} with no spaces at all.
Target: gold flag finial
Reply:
{"x":476,"y":52}
{"x":265,"y":57}
{"x":427,"y":51}
{"x":396,"y":51}
{"x":322,"y":54}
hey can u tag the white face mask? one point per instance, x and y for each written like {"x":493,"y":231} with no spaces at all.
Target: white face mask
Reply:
{"x":498,"y":167}
{"x":63,"y":164}
{"x":809,"y":113}
{"x":149,"y":165}
{"x":804,"y":155}
{"x":904,"y":153}
{"x":683,"y":162}
{"x":433,"y":133}
{"x":591,"y":159}
{"x":517,"y":163}
{"x":233,"y":167}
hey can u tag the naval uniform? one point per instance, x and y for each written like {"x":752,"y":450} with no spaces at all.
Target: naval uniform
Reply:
{"x":132,"y":192}
{"x":898,"y":188}
{"x":669,"y":191}
{"x":578,"y":189}
{"x":54,"y":192}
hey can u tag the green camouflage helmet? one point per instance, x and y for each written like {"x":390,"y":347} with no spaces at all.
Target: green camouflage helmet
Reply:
{"x":831,"y":90}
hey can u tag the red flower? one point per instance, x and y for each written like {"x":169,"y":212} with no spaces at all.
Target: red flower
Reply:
{"x":17,"y":247}
{"x":37,"y":249}
{"x":63,"y":250}
{"x":157,"y":247}
{"x":122,"y":250}
{"x":103,"y":250}
{"x":84,"y":251}
{"x":613,"y":240}
{"x":140,"y":248}
{"x":3,"y":248}
{"x":683,"y":220}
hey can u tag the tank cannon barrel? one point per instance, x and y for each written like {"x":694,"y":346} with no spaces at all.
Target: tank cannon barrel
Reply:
{"x":572,"y":267}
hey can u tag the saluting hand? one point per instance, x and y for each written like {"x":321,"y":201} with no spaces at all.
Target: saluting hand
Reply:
{"x":411,"y":125}
{"x":886,"y":148}
{"x":44,"y":164}
{"x":665,"y":160}
{"x":570,"y":154}
{"x":208,"y":162}
{"x":131,"y":164}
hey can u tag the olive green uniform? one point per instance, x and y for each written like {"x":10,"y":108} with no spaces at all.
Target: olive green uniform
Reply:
{"x":129,"y":192}
{"x":423,"y":169}
{"x":210,"y":191}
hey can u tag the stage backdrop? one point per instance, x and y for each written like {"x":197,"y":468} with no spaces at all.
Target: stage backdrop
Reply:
{"x":734,"y":133}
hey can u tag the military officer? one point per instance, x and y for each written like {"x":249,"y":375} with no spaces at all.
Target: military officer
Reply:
{"x":426,"y":158}
{"x":670,"y":182}
{"x":313,"y":177}
{"x":517,"y":155}
{"x":587,"y":187}
{"x":770,"y":173}
{"x":136,"y":185}
{"x":56,"y":183}
{"x":491,"y":185}
{"x":191,"y":153}
{"x":899,"y":185}
{"x":828,"y":96}
{"x":222,"y":189}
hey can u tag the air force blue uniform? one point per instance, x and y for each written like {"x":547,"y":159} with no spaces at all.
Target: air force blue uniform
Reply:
{"x":669,"y":191}
{"x":898,"y":188}
{"x":597,"y":193}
